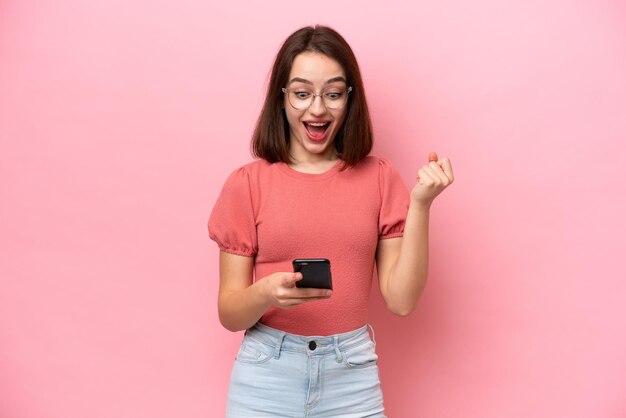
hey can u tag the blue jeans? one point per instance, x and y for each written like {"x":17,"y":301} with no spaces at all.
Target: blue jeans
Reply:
{"x":277,"y":374}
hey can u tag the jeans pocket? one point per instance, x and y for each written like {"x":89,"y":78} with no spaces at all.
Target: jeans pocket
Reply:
{"x":362,"y":355}
{"x":254,"y":352}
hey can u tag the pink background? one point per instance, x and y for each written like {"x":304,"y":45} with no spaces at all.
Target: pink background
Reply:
{"x":120,"y":120}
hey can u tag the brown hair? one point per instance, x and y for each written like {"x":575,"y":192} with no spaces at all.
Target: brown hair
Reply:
{"x":354,"y":139}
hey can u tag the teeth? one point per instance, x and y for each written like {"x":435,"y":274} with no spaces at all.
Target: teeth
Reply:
{"x":317,"y":123}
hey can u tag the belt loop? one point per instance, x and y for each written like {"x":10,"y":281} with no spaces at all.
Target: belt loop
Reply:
{"x":279,"y":344}
{"x":337,"y":351}
{"x":373,"y":336}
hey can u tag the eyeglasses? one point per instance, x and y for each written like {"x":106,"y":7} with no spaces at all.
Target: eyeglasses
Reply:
{"x":302,"y":98}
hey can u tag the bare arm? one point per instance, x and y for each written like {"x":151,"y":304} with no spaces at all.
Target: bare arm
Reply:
{"x":242,"y":302}
{"x":402,"y":263}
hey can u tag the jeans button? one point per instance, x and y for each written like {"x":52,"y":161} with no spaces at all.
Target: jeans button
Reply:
{"x":312,"y":345}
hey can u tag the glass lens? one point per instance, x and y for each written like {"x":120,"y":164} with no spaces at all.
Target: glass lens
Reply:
{"x":302,"y":98}
{"x":335,"y":98}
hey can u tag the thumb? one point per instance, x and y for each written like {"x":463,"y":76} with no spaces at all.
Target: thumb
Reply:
{"x":433,"y":157}
{"x":290,"y":279}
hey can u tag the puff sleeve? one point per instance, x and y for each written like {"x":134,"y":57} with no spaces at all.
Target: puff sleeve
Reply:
{"x":394,"y":201}
{"x":232,"y":222}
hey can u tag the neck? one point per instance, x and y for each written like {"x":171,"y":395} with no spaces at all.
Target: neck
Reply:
{"x":313,"y":164}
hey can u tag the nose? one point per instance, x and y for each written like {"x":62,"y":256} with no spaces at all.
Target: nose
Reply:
{"x":317,"y":106}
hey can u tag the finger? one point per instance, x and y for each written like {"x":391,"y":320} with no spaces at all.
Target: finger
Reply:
{"x":298,"y":296}
{"x":303,"y":293}
{"x":432,"y":157}
{"x":311,"y":292}
{"x":446,"y":166}
{"x":438,"y":171}
{"x":423,"y":176}
{"x":433,"y":176}
{"x":290,"y":279}
{"x":292,"y":303}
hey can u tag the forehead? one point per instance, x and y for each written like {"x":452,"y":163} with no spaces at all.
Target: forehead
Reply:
{"x":315,"y":67}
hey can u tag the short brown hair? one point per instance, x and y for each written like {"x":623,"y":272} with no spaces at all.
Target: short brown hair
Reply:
{"x":354,"y":139}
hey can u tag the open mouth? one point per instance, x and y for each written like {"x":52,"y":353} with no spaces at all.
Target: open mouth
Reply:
{"x":316,"y":130}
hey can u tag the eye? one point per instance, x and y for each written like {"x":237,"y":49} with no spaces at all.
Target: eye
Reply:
{"x":333,"y":95}
{"x":302,"y":94}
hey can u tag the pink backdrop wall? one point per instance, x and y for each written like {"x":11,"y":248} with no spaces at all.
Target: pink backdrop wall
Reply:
{"x":120,"y":120}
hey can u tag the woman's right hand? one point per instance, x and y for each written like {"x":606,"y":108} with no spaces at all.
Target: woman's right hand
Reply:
{"x":243,"y":301}
{"x":281,"y":291}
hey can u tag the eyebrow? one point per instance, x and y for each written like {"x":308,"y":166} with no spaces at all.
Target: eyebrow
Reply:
{"x":305,"y":81}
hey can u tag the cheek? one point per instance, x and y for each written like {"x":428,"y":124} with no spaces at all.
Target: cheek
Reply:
{"x":340,"y":118}
{"x":293,"y":118}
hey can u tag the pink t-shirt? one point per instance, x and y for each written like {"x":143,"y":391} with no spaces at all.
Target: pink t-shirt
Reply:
{"x":276,"y":214}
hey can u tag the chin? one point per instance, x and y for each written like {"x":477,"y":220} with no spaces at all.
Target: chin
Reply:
{"x":317,"y":148}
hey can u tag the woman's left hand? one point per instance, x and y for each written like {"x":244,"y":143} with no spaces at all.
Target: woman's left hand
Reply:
{"x":432,"y":179}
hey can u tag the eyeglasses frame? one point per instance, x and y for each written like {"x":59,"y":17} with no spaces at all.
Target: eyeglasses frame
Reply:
{"x":285,"y":90}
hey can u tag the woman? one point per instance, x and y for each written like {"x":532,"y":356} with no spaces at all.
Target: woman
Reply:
{"x":315,"y":193}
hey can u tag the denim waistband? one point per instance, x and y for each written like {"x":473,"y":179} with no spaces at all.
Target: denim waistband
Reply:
{"x":311,"y":345}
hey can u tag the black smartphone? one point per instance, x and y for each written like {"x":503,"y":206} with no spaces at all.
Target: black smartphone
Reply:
{"x":315,"y":272}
